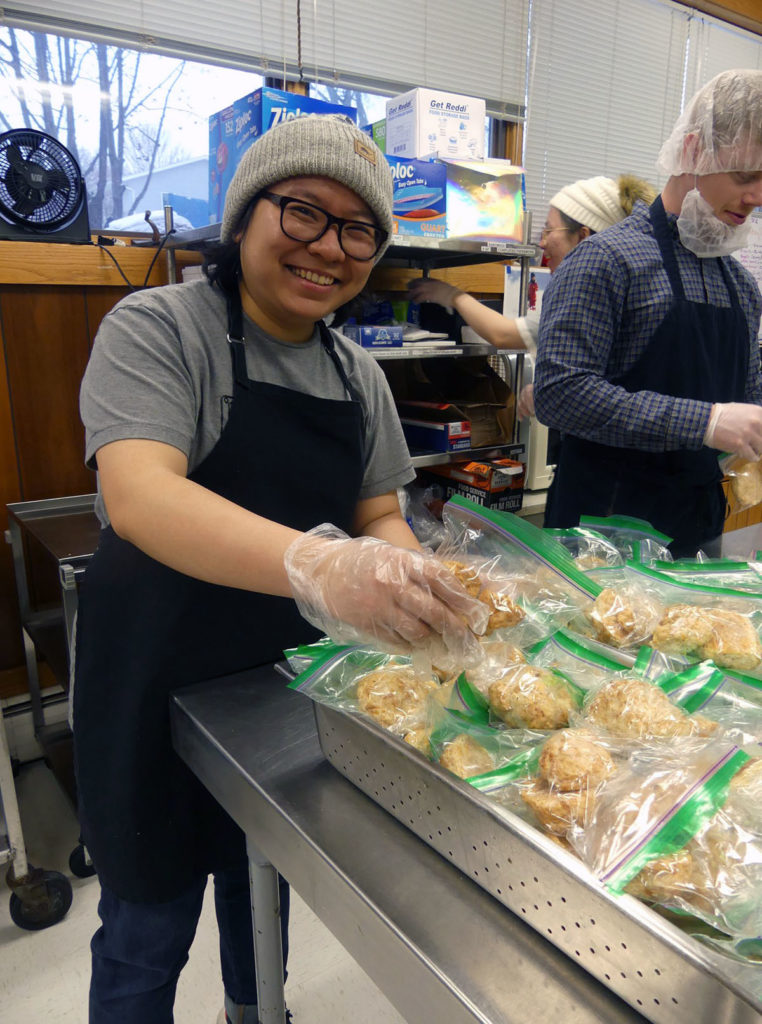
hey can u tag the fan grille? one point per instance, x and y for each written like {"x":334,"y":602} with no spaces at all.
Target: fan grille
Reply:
{"x":40,"y":182}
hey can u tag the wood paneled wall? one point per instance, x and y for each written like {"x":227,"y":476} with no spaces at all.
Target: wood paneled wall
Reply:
{"x":52,"y":299}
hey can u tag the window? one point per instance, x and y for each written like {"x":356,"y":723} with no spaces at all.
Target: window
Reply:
{"x":151,"y":139}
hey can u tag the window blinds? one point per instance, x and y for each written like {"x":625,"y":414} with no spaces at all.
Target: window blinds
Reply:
{"x":607,"y":80}
{"x":374,"y":45}
{"x":605,"y":86}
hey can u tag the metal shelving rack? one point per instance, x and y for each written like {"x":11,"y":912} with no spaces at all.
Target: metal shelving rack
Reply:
{"x":424,"y":253}
{"x":66,"y":530}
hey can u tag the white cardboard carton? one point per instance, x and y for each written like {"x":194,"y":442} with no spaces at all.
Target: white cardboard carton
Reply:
{"x":425,"y":122}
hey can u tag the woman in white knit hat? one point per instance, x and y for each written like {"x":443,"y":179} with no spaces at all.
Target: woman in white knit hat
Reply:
{"x":576,"y":212}
{"x":248,"y":460}
{"x":648,"y":359}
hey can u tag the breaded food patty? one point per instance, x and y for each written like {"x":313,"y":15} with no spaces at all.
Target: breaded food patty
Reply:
{"x":573,"y":759}
{"x":394,"y":694}
{"x":724,"y":636}
{"x":466,"y":575}
{"x":464,"y":757}
{"x":746,"y":482}
{"x":637,"y":709}
{"x":504,"y":611}
{"x":664,"y":878}
{"x":621,"y":620}
{"x":531,"y":698}
{"x":682,"y":629}
{"x":419,"y":738}
{"x":558,"y":812}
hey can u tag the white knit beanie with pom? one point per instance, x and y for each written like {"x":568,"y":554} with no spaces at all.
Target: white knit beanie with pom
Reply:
{"x":593,"y":202}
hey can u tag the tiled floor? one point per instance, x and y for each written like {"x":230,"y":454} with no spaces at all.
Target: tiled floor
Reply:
{"x":44,"y":975}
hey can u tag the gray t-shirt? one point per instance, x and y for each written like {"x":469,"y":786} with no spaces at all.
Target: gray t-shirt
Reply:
{"x":161,"y":370}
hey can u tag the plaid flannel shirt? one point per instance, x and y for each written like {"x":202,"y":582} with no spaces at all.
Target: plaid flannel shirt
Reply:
{"x":599,"y":312}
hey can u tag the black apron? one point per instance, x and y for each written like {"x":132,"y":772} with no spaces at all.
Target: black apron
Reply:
{"x":144,"y":630}
{"x":698,"y":351}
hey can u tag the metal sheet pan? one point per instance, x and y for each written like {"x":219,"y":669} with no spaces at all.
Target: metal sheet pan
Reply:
{"x":666,"y":975}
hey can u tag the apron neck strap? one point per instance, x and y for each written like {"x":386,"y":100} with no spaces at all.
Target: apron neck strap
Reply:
{"x":664,"y":237}
{"x":236,"y":340}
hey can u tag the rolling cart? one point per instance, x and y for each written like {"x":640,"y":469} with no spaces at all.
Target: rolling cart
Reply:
{"x":55,"y":535}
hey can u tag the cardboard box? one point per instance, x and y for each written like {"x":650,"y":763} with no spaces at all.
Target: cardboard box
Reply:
{"x":434,"y":426}
{"x":385,"y":336}
{"x":232,"y":131}
{"x":485,"y":200}
{"x":423,"y":122}
{"x":495,"y":483}
{"x":419,"y":203}
{"x":377,"y":131}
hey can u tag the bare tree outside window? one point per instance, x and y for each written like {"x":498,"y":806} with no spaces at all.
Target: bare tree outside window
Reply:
{"x":123,"y":115}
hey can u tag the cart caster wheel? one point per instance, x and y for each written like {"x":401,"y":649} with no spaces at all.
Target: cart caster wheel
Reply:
{"x":78,"y":866}
{"x":33,"y":915}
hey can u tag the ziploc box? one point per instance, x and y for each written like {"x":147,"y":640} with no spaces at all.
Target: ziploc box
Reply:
{"x":485,"y":200}
{"x":419,"y":202}
{"x":377,"y":131}
{"x":383,"y":336}
{"x":232,"y":131}
{"x":423,"y":122}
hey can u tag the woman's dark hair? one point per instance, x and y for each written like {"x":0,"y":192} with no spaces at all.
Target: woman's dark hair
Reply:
{"x":222,"y":260}
{"x":571,"y":224}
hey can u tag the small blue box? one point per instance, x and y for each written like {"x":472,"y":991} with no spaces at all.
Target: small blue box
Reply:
{"x":385,"y":336}
{"x":419,"y":201}
{"x":232,"y":131}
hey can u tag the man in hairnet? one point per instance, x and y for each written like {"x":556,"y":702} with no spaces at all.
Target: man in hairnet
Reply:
{"x":648,"y":358}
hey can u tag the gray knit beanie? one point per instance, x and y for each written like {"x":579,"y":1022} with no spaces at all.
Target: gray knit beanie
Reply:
{"x":328,"y":145}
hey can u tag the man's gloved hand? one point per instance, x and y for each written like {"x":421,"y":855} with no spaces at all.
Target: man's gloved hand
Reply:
{"x":427,"y":289}
{"x":736,"y":427}
{"x":364,"y":590}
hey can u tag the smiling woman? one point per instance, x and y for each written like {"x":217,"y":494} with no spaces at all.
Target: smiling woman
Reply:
{"x":199,"y":401}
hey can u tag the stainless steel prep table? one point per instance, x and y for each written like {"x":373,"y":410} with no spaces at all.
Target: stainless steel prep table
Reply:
{"x":441,"y":948}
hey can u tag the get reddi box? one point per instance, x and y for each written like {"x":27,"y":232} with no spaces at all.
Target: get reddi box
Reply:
{"x":419,"y":203}
{"x":423,"y":122}
{"x":232,"y":131}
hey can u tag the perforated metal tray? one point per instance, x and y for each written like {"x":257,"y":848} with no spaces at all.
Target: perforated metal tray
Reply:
{"x":669,"y":977}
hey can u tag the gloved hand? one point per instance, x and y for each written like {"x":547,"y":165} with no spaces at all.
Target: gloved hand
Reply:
{"x":736,"y":427}
{"x":525,"y":405}
{"x":364,"y":590}
{"x":427,"y":289}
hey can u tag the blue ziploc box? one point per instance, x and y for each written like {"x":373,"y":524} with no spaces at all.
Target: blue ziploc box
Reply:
{"x":384,"y":336}
{"x":232,"y":131}
{"x":419,"y":203}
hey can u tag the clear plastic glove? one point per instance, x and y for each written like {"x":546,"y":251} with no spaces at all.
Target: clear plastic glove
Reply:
{"x":736,"y":427}
{"x":525,"y":405}
{"x":364,"y":590}
{"x":427,"y":289}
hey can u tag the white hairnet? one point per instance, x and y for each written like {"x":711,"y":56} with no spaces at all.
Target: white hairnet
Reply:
{"x":720,"y":128}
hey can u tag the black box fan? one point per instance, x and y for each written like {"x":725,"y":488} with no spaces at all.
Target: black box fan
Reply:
{"x":42,"y":192}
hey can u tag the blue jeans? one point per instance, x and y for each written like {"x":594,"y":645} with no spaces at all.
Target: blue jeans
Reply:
{"x":140,"y":949}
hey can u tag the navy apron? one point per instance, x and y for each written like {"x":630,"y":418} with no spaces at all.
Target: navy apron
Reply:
{"x":699,"y":351}
{"x":144,"y":630}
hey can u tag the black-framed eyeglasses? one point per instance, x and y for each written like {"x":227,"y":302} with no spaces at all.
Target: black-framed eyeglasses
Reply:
{"x":305,"y":222}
